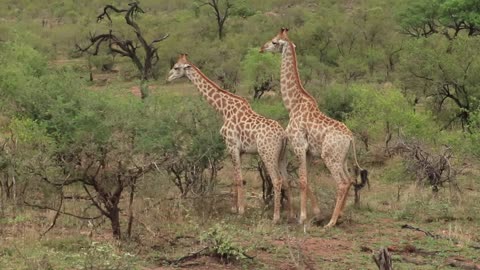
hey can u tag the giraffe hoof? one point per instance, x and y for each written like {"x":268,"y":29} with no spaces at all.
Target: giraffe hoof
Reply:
{"x":329,"y":225}
{"x":302,"y":220}
{"x":318,"y":221}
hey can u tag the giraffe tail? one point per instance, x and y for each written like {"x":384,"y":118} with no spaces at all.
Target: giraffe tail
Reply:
{"x":363,"y":172}
{"x":282,"y":161}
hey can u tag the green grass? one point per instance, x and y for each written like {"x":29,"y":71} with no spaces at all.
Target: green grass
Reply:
{"x":66,"y":253}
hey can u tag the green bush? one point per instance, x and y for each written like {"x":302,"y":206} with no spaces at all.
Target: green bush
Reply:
{"x":377,"y":111}
{"x":338,"y":102}
{"x":220,"y":242}
{"x":260,"y":67}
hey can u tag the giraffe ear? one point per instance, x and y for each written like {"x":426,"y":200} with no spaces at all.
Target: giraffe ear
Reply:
{"x":187,"y":66}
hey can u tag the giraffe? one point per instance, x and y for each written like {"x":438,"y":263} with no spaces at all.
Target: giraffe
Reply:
{"x":312,"y":133}
{"x":244,"y":131}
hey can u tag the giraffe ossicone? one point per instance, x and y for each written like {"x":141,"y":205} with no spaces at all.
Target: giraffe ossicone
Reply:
{"x":311,"y":132}
{"x":244,"y":131}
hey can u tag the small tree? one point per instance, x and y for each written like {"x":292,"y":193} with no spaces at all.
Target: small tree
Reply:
{"x":443,"y":72}
{"x":65,"y":136}
{"x":447,"y":17}
{"x":261,"y":71}
{"x":127,"y":47}
{"x":221,"y":10}
{"x":385,"y":113}
{"x":193,"y":144}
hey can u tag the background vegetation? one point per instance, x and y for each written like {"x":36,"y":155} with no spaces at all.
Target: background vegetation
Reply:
{"x":105,"y":166}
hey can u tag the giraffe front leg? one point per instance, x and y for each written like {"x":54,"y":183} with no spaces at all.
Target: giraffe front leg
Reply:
{"x":240,"y":193}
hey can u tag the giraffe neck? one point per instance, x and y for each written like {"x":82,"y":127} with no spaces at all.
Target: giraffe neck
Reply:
{"x":221,"y":100}
{"x":291,"y":87}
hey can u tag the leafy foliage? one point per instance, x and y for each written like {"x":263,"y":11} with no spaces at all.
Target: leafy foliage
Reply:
{"x":220,"y":242}
{"x":448,"y":17}
{"x":390,"y":69}
{"x":381,"y":111}
{"x":443,"y":73}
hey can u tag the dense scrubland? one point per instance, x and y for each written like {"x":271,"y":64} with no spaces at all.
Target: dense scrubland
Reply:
{"x":105,"y":166}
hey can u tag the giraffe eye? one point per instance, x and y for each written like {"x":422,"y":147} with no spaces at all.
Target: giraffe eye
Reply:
{"x":274,"y":42}
{"x":176,"y":68}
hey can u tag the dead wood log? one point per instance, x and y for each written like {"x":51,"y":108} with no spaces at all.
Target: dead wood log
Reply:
{"x":383,"y":259}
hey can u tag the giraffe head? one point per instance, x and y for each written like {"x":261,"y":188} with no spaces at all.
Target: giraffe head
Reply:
{"x":277,"y":43}
{"x":180,"y":68}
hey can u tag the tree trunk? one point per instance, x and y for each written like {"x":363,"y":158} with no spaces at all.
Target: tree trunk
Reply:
{"x":114,"y":216}
{"x":357,"y":197}
{"x":130,"y":210}
{"x":144,"y":89}
{"x":220,"y":31}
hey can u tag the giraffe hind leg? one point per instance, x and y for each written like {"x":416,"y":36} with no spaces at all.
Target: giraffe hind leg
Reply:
{"x":342,"y":190}
{"x":272,"y":170}
{"x":282,"y":164}
{"x":271,"y":158}
{"x":346,"y":176}
{"x":343,"y":185}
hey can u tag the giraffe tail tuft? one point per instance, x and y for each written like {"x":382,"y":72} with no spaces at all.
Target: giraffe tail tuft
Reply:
{"x":363,"y":180}
{"x":363,"y":172}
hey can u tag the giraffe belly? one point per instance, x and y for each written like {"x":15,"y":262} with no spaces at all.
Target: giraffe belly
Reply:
{"x":249,"y":148}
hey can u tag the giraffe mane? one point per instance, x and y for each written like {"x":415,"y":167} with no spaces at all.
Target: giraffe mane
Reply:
{"x":217,"y":86}
{"x":296,"y":73}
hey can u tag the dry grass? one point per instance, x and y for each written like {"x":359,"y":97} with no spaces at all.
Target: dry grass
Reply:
{"x":169,"y":227}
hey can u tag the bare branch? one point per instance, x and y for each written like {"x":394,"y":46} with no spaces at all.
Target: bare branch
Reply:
{"x":61,"y":212}
{"x":95,"y":203}
{"x":125,"y":47}
{"x":57,"y":214}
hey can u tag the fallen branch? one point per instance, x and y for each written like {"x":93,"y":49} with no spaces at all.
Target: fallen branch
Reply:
{"x":413,"y":260}
{"x":189,"y":256}
{"x":383,"y":259}
{"x":205,"y":251}
{"x":475,"y":245}
{"x":57,"y":214}
{"x":406,"y":226}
